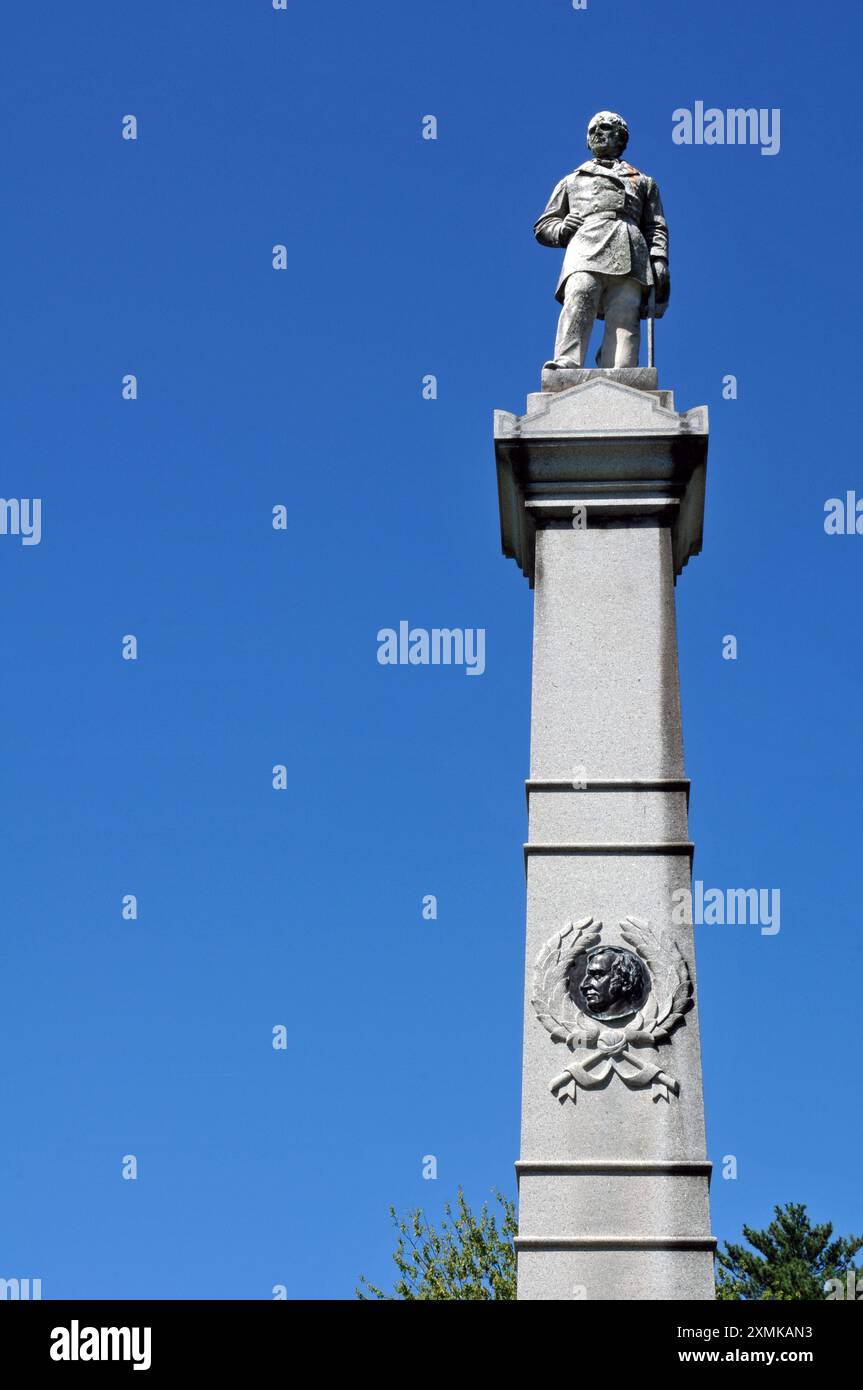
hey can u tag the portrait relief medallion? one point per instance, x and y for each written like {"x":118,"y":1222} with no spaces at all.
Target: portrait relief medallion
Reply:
{"x":608,"y":983}
{"x":611,"y":1005}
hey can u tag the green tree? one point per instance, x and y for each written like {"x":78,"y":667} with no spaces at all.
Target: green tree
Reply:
{"x":468,"y":1258}
{"x":791,"y":1259}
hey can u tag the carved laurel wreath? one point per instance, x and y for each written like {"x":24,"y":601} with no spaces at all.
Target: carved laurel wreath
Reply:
{"x":601,"y":1050}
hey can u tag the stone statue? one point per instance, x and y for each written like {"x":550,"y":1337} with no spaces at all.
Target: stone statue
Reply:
{"x":609,"y":217}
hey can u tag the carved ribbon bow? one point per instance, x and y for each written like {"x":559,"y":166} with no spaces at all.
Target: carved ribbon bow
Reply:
{"x":612,"y":1055}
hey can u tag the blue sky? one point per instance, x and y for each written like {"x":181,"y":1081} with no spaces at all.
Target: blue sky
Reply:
{"x":304,"y":907}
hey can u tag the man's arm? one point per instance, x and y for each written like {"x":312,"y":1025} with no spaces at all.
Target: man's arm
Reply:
{"x":655,"y":229}
{"x":654,"y":225}
{"x":558,"y":225}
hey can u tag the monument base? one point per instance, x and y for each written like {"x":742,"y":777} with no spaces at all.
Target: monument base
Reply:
{"x":614,"y":1273}
{"x":607,"y":1231}
{"x":561,"y":378}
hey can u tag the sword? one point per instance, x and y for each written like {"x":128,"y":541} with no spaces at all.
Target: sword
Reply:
{"x":651,"y":321}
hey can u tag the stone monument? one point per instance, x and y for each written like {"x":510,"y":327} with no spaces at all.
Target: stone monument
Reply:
{"x":601,"y":490}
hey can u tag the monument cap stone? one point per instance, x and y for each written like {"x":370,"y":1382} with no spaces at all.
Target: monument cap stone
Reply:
{"x":609,"y":448}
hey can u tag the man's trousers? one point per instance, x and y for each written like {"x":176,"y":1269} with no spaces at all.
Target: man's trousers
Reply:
{"x":586,"y":293}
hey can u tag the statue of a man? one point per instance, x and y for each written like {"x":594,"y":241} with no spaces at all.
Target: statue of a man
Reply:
{"x":609,"y":217}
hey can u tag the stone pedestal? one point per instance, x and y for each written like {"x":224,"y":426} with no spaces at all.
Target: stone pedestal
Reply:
{"x":601,"y":489}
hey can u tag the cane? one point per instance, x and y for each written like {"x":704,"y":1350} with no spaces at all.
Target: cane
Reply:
{"x":651,"y":321}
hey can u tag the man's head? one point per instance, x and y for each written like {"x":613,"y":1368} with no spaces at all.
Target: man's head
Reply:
{"x":614,"y":981}
{"x":607,"y":135}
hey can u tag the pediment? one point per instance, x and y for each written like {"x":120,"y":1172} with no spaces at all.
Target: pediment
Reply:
{"x":599,"y":408}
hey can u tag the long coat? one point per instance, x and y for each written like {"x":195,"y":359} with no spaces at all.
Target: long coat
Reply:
{"x":622,"y":223}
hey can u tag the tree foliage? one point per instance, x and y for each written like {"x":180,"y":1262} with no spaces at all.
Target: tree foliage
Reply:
{"x":469,"y":1257}
{"x":791,"y":1259}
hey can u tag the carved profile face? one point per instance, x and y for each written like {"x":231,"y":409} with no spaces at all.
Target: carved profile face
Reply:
{"x":614,"y":983}
{"x":607,"y":135}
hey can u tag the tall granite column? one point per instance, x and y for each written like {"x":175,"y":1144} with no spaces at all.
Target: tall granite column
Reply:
{"x":601,"y":489}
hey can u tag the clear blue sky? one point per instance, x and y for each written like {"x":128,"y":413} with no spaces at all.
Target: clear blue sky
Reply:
{"x":257,"y":647}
